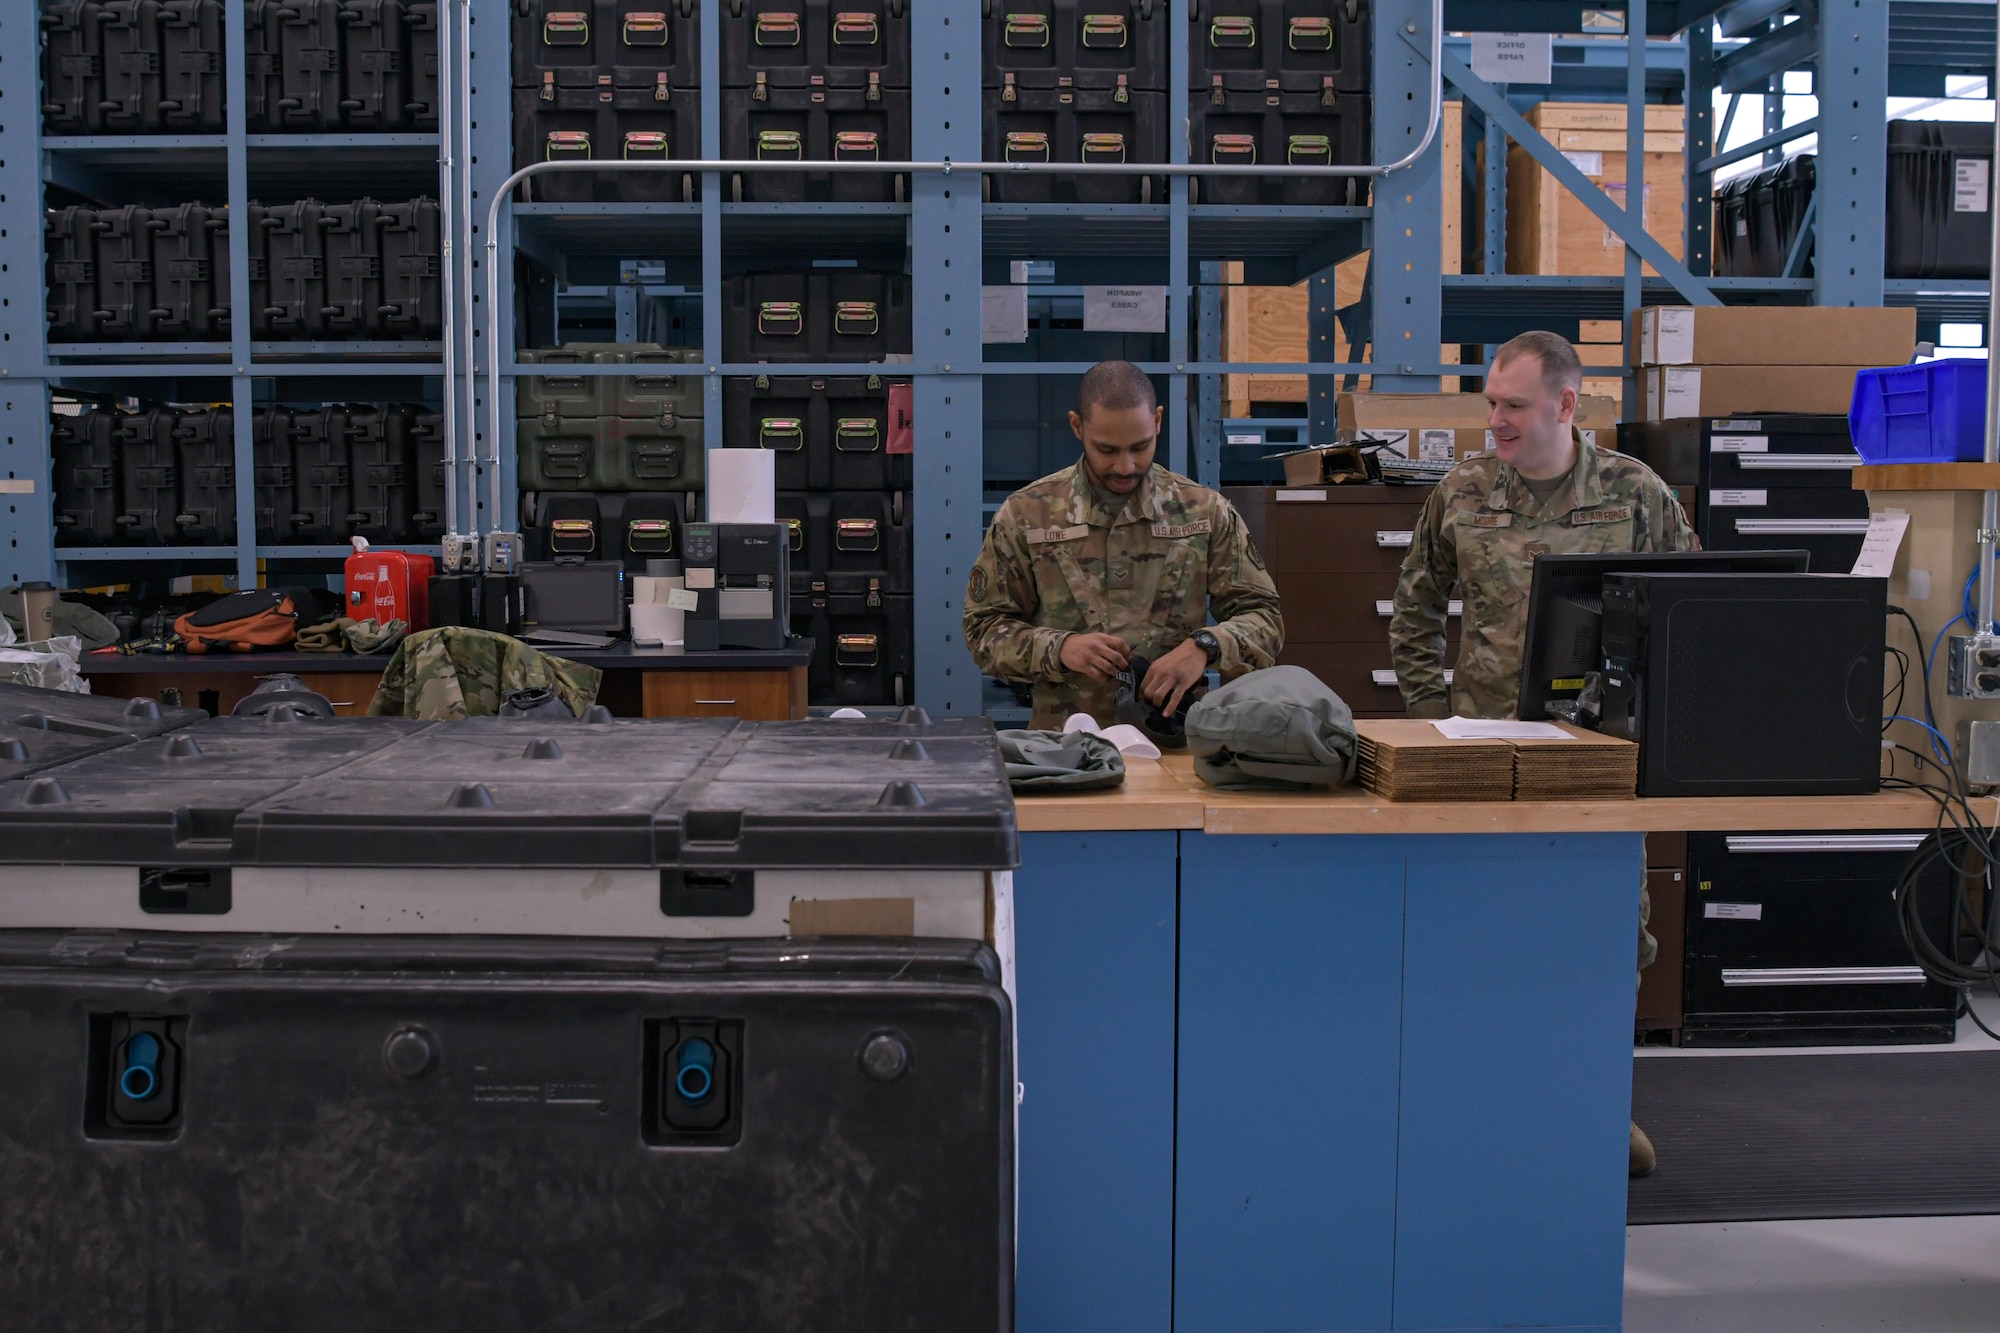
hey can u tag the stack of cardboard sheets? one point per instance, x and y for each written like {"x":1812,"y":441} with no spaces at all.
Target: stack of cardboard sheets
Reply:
{"x":1587,"y":767}
{"x":1410,"y":760}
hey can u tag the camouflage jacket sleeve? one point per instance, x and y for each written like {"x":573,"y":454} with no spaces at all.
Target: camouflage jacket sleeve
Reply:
{"x":1000,"y":607}
{"x":1667,"y":527}
{"x":1423,"y":593}
{"x":1242,"y":598}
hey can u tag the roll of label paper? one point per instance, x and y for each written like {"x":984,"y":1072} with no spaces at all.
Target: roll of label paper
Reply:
{"x":742,"y":485}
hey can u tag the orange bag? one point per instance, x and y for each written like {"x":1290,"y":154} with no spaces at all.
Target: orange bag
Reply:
{"x":241,"y":622}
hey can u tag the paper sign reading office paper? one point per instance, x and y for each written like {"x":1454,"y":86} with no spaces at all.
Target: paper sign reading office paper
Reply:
{"x":1513,"y":57}
{"x":1125,"y":309}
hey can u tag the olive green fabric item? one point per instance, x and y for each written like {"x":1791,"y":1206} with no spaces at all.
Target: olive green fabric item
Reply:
{"x":1051,"y":761}
{"x":73,"y":619}
{"x":325,"y":637}
{"x":343,"y":634}
{"x":1279,"y":727}
{"x":442,"y":675}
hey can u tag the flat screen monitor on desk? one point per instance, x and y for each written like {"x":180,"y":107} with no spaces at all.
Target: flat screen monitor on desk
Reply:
{"x":1566,"y":608}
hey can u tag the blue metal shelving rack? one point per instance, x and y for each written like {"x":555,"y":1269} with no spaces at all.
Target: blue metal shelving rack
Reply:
{"x":949,"y":242}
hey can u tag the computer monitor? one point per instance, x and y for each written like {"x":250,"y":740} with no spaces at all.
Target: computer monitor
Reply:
{"x":1566,"y":607}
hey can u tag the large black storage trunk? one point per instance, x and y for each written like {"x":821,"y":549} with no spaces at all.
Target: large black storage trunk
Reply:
{"x":265,"y":1128}
{"x":847,"y":542}
{"x":125,"y":307}
{"x":1090,"y":125}
{"x":1282,"y":45}
{"x":626,"y":53}
{"x":859,"y":44}
{"x":205,"y":453}
{"x":294,"y":65}
{"x":69,"y":239}
{"x":1087,"y":44}
{"x":149,"y":494}
{"x":191,"y":272}
{"x":862,"y":647}
{"x":1307,"y":129}
{"x":73,"y":67}
{"x":547,"y":131}
{"x":1794,"y":938}
{"x":288,"y":270}
{"x":816,"y":125}
{"x":84,"y":459}
{"x":631,"y":527}
{"x":843,"y":315}
{"x":191,"y":80}
{"x":1940,"y":206}
{"x":830,"y":432}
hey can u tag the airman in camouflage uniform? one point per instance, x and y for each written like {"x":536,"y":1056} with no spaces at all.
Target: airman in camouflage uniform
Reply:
{"x":1059,"y":560}
{"x":1481,"y":531}
{"x":442,"y":675}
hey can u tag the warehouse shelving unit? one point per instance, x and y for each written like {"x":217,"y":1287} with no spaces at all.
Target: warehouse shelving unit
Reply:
{"x":172,"y":168}
{"x":950,"y":243}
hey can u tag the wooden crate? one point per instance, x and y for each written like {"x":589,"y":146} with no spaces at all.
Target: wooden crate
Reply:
{"x":1548,"y":228}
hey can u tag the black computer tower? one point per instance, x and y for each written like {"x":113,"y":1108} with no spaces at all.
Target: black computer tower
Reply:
{"x":1747,"y":684}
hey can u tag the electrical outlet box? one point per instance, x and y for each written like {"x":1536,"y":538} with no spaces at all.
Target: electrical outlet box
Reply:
{"x":461,"y":554}
{"x":1974,"y":666}
{"x":1979,"y":752}
{"x":503,"y":552}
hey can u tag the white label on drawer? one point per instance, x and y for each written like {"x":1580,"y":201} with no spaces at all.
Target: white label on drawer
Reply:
{"x":1738,"y":499}
{"x":1386,"y":676}
{"x":1969,"y":193}
{"x":1246,"y":439}
{"x":681,"y":599}
{"x":1434,"y":445}
{"x":1675,"y":346}
{"x":1590,"y":164}
{"x":1284,"y":495}
{"x":1738,"y":424}
{"x":1740,"y":444}
{"x":1386,"y":608}
{"x":1394,"y":540}
{"x":1733,"y":911}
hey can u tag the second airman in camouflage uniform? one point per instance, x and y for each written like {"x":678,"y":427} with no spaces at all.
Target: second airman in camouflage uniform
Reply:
{"x":1481,"y":530}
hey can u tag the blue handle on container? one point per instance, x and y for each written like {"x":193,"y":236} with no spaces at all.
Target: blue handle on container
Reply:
{"x":140,"y":1078}
{"x":694,"y":1074}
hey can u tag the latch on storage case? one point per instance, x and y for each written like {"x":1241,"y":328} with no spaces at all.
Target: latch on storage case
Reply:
{"x":857,"y":146}
{"x":762,"y":92}
{"x":777,"y":29}
{"x":566,"y":27}
{"x":1008,"y":92}
{"x":1104,"y":32}
{"x":1233,"y":33}
{"x":781,"y":319}
{"x":857,"y":319}
{"x":1310,"y":34}
{"x":646,"y":28}
{"x":857,"y":534}
{"x":852,"y":29}
{"x":875,"y":592}
{"x":779,"y":146}
{"x":1326,"y":97}
{"x":784,"y":434}
{"x":604,"y":88}
{"x":1027,"y":31}
{"x":819,"y":592}
{"x":645,"y":146}
{"x":857,"y":650}
{"x":857,"y":435}
{"x":661,"y":89}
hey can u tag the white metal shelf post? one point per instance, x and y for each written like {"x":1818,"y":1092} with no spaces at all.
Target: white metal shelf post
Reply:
{"x":945,"y":260}
{"x":491,"y":149}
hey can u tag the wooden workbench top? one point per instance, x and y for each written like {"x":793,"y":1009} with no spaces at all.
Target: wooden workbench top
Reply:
{"x":1165,"y":794}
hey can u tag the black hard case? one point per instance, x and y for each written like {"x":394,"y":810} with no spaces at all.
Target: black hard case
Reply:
{"x":191,"y":67}
{"x":1037,"y":43}
{"x":829,"y":432}
{"x":205,"y":452}
{"x":126,"y":308}
{"x":294,"y":72}
{"x":1081,"y":125}
{"x":288,"y":286}
{"x":857,"y":44}
{"x":631,"y":527}
{"x":382,"y":462}
{"x":191,"y":272}
{"x":1828,"y":908}
{"x":149,"y":495}
{"x":862,"y":648}
{"x":72,"y":66}
{"x":848,"y":542}
{"x":133,"y":62}
{"x":1940,"y":201}
{"x":524,"y":1177}
{"x":628,"y":53}
{"x":547,"y":129}
{"x":1298,"y":45}
{"x":844,"y":315}
{"x":1281,"y":129}
{"x":825,"y":125}
{"x":84,"y":455}
{"x":69,"y":239}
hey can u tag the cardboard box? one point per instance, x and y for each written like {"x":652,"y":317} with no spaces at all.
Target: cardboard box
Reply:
{"x":1549,"y":230}
{"x":1547,"y":116}
{"x":1669,"y":393}
{"x":1600,"y":331}
{"x":1436,"y":422}
{"x":1673,"y":335}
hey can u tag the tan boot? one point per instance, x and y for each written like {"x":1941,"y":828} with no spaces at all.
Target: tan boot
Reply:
{"x":1643,"y":1158}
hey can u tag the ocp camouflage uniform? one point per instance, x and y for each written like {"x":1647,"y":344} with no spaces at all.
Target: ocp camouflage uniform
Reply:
{"x":1057,"y":562}
{"x":1481,"y":530}
{"x":455,"y":672}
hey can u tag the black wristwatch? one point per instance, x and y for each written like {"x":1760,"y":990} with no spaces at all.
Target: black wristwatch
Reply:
{"x":1207,"y":642}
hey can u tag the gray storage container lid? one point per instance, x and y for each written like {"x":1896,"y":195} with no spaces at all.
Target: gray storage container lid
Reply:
{"x":41,"y":728}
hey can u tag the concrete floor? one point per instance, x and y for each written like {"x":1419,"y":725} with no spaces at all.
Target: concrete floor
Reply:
{"x":1921,"y":1274}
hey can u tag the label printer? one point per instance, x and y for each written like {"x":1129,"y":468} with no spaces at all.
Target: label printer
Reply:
{"x":740,"y":575}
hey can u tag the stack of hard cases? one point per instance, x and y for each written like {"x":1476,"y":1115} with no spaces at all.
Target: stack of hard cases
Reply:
{"x":305,"y":977}
{"x":1070,"y":81}
{"x":165,"y":475}
{"x":1761,"y":483}
{"x":1283,"y":82}
{"x":816,"y":81}
{"x":607,"y":80}
{"x":843,"y":444}
{"x":313,"y":66}
{"x":360,"y":270}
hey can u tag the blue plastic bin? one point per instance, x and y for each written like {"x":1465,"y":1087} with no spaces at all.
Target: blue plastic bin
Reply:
{"x":1931,"y":413}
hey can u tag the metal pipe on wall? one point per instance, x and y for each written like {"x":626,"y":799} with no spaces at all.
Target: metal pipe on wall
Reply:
{"x":1989,"y":511}
{"x":447,"y":222}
